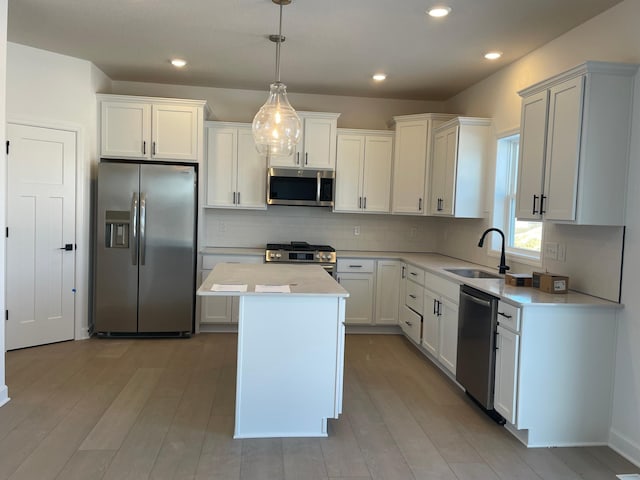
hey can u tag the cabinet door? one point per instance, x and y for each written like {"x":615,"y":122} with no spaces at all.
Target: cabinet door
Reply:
{"x":506,"y":386}
{"x":349,"y":168}
{"x":125,"y":130}
{"x":376,"y":184}
{"x":359,"y":308}
{"x":292,"y":160}
{"x":214,"y":309}
{"x":533,"y":128}
{"x":409,"y":167}
{"x":175,"y":132}
{"x":319,"y":143}
{"x":563,"y":149}
{"x":387,"y":292}
{"x":251,"y":173}
{"x":443,"y":171}
{"x":448,"y":350}
{"x":222,"y":147}
{"x":430,"y":324}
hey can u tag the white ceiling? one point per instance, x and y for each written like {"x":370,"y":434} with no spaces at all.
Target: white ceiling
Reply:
{"x":331,"y":47}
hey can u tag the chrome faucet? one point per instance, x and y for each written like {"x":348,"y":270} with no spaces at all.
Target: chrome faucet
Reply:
{"x":503,"y":267}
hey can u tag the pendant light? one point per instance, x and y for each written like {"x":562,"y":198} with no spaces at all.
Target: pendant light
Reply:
{"x":276,"y":127}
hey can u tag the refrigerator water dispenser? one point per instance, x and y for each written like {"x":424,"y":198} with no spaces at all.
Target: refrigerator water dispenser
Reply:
{"x":117,"y":228}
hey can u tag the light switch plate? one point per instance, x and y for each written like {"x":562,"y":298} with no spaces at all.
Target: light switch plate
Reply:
{"x":562,"y":252}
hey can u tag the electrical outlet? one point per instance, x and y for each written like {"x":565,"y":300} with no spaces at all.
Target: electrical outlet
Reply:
{"x":222,"y":227}
{"x":356,"y":230}
{"x":413,"y":232}
{"x":550,"y":251}
{"x":562,"y":252}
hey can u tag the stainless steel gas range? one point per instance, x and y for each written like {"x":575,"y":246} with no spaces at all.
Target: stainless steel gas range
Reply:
{"x":302,"y":253}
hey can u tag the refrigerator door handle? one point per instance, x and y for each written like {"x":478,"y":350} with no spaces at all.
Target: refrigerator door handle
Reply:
{"x":133,"y":241}
{"x":143,"y":218}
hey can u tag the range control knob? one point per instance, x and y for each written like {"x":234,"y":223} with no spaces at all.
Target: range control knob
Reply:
{"x":317,"y":255}
{"x":272,"y":255}
{"x":278,"y":255}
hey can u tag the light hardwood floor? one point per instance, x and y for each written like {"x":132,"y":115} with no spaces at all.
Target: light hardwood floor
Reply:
{"x":163,"y":409}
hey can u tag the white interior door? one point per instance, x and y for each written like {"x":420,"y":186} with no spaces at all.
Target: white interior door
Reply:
{"x":41,"y":221}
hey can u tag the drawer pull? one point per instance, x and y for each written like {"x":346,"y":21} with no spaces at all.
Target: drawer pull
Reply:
{"x":413,"y":296}
{"x":409,"y":323}
{"x":505,"y":315}
{"x":355,"y":266}
{"x":414,"y":274}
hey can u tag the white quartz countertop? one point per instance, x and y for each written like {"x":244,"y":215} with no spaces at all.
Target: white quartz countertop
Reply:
{"x":301,"y":279}
{"x":437,"y":264}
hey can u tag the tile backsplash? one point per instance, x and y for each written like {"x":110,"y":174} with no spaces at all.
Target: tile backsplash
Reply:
{"x":247,"y":228}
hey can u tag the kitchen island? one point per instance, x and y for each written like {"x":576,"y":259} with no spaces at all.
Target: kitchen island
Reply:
{"x":290,"y":347}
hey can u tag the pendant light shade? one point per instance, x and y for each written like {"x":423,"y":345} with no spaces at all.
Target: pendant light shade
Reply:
{"x":277,"y":127}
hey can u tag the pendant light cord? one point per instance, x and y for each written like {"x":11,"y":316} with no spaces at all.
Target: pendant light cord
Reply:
{"x":278,"y":47}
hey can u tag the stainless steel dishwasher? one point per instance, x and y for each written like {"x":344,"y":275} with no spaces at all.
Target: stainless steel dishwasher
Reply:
{"x":477,"y":325}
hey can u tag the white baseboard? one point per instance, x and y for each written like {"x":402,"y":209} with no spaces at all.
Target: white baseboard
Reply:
{"x":624,"y":446}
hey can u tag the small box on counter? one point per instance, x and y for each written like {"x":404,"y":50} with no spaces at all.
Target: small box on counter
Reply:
{"x":518,"y":279}
{"x":550,"y":283}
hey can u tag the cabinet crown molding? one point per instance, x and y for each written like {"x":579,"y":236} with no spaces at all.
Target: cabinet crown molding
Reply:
{"x":610,"y":68}
{"x":420,"y":116}
{"x":358,"y":131}
{"x":473,"y":121}
{"x":157,"y":100}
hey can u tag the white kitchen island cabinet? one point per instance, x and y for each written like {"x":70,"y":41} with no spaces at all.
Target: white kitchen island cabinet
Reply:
{"x":290,"y":348}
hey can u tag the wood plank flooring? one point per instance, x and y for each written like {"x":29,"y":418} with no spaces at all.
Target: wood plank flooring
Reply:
{"x":164,"y":409}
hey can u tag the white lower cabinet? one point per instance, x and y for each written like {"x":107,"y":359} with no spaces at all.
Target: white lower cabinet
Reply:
{"x":440,"y":324}
{"x":387,"y":292}
{"x":448,"y":351}
{"x":507,"y":349}
{"x":357,"y":277}
{"x":221,"y":310}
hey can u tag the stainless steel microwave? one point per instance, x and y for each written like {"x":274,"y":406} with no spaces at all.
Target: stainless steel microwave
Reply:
{"x":307,"y":187}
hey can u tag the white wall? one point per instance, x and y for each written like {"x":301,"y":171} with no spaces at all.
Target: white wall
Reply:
{"x":591,"y":251}
{"x":52,"y":90}
{"x":4,"y":394}
{"x":241,"y":105}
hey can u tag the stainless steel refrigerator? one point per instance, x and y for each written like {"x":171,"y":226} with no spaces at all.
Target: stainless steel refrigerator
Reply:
{"x":145,"y":248}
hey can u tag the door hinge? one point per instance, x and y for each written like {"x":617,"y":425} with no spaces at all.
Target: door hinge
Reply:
{"x":8,"y":147}
{"x":6,"y":315}
{"x":7,"y":232}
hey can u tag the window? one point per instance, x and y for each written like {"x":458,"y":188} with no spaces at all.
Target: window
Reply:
{"x":523,"y":238}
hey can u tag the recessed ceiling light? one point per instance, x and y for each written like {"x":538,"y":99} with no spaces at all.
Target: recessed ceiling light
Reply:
{"x":492,"y":55}
{"x":439,"y":11}
{"x":178,"y":62}
{"x":379,"y":77}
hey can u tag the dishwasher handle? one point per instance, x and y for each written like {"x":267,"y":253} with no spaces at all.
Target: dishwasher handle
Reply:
{"x":479,"y":301}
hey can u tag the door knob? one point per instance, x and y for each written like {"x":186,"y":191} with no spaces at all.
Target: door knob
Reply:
{"x":68,"y":247}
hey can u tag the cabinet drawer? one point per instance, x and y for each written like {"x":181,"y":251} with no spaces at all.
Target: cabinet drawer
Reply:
{"x":414,"y":297}
{"x":210,"y":261}
{"x":355,"y":265}
{"x":415,"y":274}
{"x":442,"y":286}
{"x":411,"y":323}
{"x":509,"y":316}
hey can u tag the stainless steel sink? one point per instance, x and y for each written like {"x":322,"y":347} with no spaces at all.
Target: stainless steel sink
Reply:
{"x":472,"y":273}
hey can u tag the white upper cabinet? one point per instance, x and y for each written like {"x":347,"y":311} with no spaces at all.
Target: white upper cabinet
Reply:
{"x":317,"y":145}
{"x":460,"y":152}
{"x":236,"y":172}
{"x":574,"y":153}
{"x":151,"y":128}
{"x":412,"y":161}
{"x":363,"y":171}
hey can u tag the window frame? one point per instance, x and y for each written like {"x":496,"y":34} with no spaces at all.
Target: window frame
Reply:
{"x":504,"y":202}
